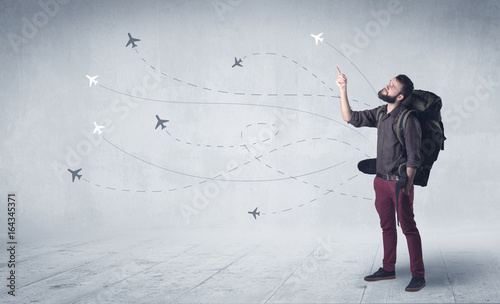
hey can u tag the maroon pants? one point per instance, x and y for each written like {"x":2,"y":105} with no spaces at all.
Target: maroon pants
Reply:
{"x":385,"y":202}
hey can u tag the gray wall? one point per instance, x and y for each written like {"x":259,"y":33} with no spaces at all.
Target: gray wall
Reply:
{"x":284,"y":94}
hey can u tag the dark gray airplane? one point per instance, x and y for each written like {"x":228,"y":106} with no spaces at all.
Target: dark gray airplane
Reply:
{"x":160,"y":123}
{"x":132,"y":41}
{"x":237,"y":62}
{"x":75,"y":174}
{"x":254,"y":213}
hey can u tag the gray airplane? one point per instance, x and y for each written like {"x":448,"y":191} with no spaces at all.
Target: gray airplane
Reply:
{"x":254,"y":213}
{"x":237,"y":62}
{"x":132,"y":41}
{"x":160,"y":123}
{"x":75,"y":174}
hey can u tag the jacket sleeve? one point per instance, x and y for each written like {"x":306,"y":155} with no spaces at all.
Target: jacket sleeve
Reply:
{"x":413,"y":137}
{"x":367,"y":118}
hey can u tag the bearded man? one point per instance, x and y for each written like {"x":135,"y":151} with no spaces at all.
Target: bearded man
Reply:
{"x":394,"y":163}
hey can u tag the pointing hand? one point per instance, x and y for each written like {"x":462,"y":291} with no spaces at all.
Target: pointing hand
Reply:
{"x":341,"y":80}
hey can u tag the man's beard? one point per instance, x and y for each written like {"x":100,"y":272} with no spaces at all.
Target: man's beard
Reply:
{"x":386,"y":98}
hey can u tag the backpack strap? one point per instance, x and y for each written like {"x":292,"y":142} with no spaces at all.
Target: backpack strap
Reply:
{"x":403,"y":118}
{"x":401,"y":123}
{"x":380,"y":112}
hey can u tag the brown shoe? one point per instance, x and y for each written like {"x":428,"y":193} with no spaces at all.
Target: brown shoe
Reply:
{"x":416,"y":284}
{"x":381,"y":274}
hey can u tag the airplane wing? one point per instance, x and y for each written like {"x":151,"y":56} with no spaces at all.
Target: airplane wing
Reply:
{"x":129,"y":40}
{"x":92,"y":80}
{"x":254,"y":213}
{"x":158,"y":123}
{"x":74,"y":173}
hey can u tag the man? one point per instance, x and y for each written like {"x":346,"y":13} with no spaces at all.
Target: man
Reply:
{"x":394,"y":163}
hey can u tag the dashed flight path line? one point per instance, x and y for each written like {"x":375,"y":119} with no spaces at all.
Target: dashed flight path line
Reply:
{"x":216,"y":178}
{"x":236,"y":104}
{"x":253,"y":143}
{"x":254,"y":156}
{"x":328,"y":191}
{"x":274,"y":94}
{"x":276,"y":148}
{"x":310,"y":202}
{"x":296,"y":177}
{"x":214,"y":146}
{"x":352,"y":63}
{"x":257,"y":158}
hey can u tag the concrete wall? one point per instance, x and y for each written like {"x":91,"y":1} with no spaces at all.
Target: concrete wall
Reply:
{"x":274,"y":118}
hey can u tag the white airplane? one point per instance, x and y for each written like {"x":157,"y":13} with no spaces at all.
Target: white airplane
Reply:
{"x":160,"y":123}
{"x":97,"y":128}
{"x":317,"y":37}
{"x":132,"y":41}
{"x":75,"y":174}
{"x":92,"y":80}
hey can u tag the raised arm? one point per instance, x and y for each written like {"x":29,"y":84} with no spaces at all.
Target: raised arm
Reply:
{"x":344,"y":101}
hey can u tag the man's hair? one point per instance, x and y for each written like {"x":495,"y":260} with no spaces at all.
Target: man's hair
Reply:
{"x":407,"y":85}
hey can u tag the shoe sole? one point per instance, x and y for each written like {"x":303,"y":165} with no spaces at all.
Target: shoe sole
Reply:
{"x":379,"y":278}
{"x":414,"y":289}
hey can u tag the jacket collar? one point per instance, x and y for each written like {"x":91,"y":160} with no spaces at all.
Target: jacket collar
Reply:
{"x":395,"y":113}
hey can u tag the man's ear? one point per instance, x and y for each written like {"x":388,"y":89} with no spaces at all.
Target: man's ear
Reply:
{"x":400,"y":97}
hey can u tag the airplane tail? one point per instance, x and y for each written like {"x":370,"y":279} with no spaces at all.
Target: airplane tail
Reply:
{"x":79,"y":176}
{"x":258,"y":213}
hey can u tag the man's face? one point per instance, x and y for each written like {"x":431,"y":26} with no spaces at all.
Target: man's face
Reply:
{"x":391,"y":92}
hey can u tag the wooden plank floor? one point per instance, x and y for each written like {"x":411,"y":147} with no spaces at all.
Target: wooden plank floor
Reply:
{"x":216,"y":266}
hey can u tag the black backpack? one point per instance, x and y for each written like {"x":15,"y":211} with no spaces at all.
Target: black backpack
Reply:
{"x":426,"y":106}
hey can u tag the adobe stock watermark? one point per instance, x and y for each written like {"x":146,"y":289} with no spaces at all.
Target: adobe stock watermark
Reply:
{"x":30,"y":25}
{"x":372,"y":29}
{"x":251,"y":148}
{"x":223,"y":6}
{"x":460,"y":111}
{"x":122,"y":107}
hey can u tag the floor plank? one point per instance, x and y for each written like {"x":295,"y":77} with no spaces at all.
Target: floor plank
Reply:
{"x":214,"y":266}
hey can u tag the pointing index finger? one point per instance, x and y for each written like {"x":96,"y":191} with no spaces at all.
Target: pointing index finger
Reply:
{"x":338,"y":71}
